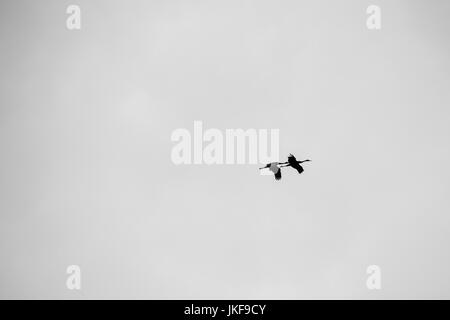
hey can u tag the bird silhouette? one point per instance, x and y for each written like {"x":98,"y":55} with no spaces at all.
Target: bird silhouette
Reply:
{"x":274,"y":167}
{"x":294,"y":163}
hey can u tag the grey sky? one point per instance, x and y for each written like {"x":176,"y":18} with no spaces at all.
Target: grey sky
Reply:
{"x":86,"y":176}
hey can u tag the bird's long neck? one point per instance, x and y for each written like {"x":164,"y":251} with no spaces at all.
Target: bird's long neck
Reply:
{"x":304,"y":161}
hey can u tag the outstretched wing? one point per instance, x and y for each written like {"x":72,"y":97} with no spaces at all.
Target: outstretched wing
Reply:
{"x":298,"y":167}
{"x":278,"y":174}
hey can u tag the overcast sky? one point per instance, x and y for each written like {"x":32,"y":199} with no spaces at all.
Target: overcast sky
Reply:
{"x":86,"y":176}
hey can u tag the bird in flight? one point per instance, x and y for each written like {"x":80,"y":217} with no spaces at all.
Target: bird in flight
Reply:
{"x":292,"y":162}
{"x":275,"y":167}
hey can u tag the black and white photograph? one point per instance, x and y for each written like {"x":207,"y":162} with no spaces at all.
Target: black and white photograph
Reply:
{"x":224,"y":150}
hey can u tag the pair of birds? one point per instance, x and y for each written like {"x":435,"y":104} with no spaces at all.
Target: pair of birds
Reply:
{"x":275,"y":167}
